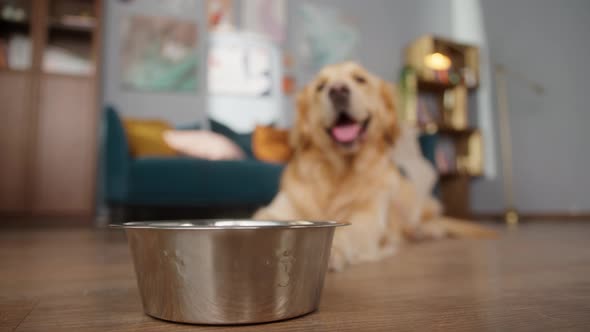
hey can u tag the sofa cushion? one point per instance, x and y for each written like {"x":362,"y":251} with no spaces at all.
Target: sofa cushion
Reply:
{"x":271,"y":144}
{"x":145,"y":137}
{"x":181,"y":181}
{"x":244,"y":141}
{"x":203,"y":144}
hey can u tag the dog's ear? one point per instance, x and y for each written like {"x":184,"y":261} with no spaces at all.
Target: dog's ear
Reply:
{"x":300,"y":136}
{"x":389,"y":96}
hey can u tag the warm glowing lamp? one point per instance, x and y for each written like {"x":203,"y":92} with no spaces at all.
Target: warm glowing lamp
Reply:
{"x":437,"y":61}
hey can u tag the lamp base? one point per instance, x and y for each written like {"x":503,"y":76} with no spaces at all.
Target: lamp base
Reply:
{"x":511,"y":217}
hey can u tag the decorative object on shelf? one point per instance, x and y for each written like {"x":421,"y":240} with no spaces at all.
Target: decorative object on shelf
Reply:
{"x":15,"y":30}
{"x":13,"y":13}
{"x":159,"y":54}
{"x":472,"y":161}
{"x":511,"y":214}
{"x":19,"y":52}
{"x":455,"y":107}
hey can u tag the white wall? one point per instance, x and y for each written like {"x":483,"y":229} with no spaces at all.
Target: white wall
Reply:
{"x":546,"y":41}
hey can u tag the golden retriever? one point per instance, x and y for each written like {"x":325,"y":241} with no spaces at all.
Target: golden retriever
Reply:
{"x":341,"y":169}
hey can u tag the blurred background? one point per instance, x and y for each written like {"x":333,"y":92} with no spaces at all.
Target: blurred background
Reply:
{"x":143,"y":109}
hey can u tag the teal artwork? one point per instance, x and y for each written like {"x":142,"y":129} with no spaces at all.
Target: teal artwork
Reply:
{"x":327,"y":37}
{"x":159,"y":54}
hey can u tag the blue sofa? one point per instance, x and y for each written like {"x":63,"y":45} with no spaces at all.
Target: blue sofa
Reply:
{"x":181,"y":181}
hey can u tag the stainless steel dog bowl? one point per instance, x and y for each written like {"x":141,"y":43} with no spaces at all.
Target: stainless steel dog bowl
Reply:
{"x":230,"y":271}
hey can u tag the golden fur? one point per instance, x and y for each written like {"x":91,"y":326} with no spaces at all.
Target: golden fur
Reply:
{"x":356,"y":182}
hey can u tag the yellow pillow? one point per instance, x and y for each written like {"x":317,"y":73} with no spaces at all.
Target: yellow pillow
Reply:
{"x":271,"y":144}
{"x":146,"y":137}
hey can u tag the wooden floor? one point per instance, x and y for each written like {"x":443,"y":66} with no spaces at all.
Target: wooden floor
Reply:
{"x":536,"y":278}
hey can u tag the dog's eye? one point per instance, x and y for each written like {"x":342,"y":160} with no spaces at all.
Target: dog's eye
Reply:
{"x":320,"y":86}
{"x":359,"y":79}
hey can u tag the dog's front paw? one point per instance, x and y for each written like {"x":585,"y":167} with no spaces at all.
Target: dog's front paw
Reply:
{"x":427,"y":231}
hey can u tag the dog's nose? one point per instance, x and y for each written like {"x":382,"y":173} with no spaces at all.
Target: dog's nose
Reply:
{"x":339,"y":94}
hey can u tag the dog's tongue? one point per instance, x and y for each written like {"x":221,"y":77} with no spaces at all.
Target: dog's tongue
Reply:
{"x":346,"y":133}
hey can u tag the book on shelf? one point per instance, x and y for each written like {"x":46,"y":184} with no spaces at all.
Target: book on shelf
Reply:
{"x":427,"y":110}
{"x":445,"y":156}
{"x":3,"y":54}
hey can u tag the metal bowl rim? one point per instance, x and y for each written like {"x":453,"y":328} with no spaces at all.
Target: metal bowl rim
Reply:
{"x":227,"y":224}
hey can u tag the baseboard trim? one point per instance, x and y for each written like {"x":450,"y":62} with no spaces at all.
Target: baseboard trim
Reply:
{"x":46,"y":221}
{"x":536,"y":216}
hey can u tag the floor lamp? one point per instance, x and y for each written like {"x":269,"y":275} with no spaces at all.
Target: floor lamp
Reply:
{"x":511,"y":214}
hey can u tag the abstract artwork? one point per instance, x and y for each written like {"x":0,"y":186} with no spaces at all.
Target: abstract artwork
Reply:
{"x":240,"y":70}
{"x":159,"y":54}
{"x":265,"y":17}
{"x":327,"y":37}
{"x":219,"y":14}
